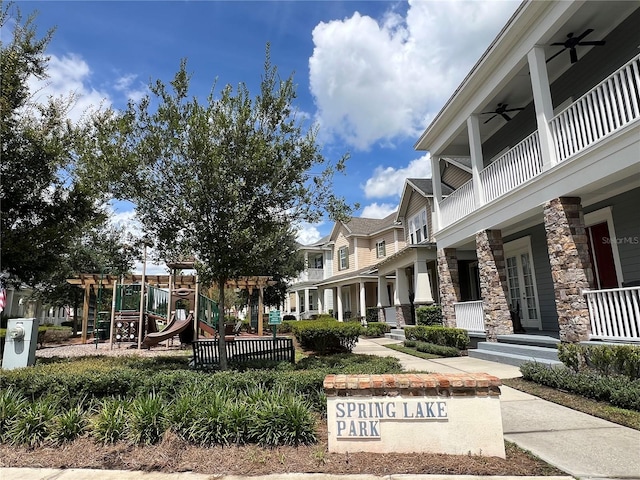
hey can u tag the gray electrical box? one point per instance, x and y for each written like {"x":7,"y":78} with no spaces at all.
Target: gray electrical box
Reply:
{"x":20,"y":343}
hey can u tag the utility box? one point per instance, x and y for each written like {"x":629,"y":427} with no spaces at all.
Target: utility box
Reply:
{"x":20,"y":343}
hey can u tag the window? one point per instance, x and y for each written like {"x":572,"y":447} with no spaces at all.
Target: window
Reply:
{"x":380,"y":249}
{"x":343,"y":257}
{"x":418,"y":228}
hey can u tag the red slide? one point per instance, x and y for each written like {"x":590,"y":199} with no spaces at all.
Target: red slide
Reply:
{"x":174,"y":328}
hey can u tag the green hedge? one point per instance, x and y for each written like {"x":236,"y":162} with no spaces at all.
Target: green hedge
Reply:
{"x":325,"y":336}
{"x":429,"y":315}
{"x":432,"y":348}
{"x":606,"y":359}
{"x":445,"y":336}
{"x":619,"y":390}
{"x":376,"y":329}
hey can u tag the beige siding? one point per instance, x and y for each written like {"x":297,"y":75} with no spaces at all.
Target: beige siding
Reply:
{"x":416,"y":203}
{"x":342,"y":241}
{"x":390,"y":244}
{"x":455,"y":176}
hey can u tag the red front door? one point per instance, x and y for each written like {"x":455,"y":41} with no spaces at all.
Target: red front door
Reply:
{"x":604,"y":268}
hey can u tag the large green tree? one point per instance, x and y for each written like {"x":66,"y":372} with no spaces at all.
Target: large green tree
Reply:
{"x":44,"y":209}
{"x":225,"y":179}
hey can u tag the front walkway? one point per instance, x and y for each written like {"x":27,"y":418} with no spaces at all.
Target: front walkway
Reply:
{"x":579,"y":444}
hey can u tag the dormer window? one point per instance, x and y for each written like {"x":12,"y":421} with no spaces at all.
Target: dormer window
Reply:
{"x":418,"y":228}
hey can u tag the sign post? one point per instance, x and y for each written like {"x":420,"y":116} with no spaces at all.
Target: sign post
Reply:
{"x":274,"y":321}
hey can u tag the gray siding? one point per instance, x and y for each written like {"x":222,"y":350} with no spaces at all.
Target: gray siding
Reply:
{"x":626,"y":221}
{"x":542,"y":268}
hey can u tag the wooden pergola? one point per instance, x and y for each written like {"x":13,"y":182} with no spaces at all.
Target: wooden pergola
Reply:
{"x":249,"y":284}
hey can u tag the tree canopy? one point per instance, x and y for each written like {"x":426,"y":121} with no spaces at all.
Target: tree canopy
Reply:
{"x":45,"y":209}
{"x":225,"y":180}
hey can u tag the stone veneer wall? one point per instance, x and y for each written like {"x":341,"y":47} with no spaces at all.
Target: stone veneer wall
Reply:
{"x":403,"y":315}
{"x":570,"y":265}
{"x":493,"y":284}
{"x":449,"y":284}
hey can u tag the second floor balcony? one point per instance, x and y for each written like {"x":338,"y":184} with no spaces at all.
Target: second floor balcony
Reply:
{"x":610,"y":107}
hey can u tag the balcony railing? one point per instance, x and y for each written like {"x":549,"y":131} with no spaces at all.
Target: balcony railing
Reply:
{"x":470,"y":316}
{"x":614,"y":313}
{"x":607,"y":108}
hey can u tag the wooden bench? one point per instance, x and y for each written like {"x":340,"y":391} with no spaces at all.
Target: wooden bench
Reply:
{"x":241,"y":351}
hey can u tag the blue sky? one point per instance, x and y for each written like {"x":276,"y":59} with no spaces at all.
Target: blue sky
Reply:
{"x":371,"y":74}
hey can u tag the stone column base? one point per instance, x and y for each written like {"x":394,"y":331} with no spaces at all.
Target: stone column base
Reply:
{"x":403,"y":315}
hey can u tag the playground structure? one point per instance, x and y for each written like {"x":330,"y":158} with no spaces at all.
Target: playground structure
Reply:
{"x":148,"y":309}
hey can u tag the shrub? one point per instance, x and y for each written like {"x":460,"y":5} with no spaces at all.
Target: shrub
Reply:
{"x":606,"y":359}
{"x":619,"y":390}
{"x":31,"y":426}
{"x":376,"y":329}
{"x":110,"y":424}
{"x":147,"y":420}
{"x":11,"y":404}
{"x":68,"y":426}
{"x":445,"y":336}
{"x":433,"y":349}
{"x":52,"y":334}
{"x":372,"y":314}
{"x":324,"y":336}
{"x":429,"y":315}
{"x":288,"y":318}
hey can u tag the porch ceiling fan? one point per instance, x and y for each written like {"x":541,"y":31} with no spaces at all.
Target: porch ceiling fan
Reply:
{"x":572,"y":42}
{"x":501,"y":110}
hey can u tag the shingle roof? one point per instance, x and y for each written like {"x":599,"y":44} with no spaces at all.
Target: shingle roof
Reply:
{"x":367,"y":226}
{"x":425,"y":185}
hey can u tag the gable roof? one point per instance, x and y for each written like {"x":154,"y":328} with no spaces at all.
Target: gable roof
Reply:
{"x":422,"y":186}
{"x":361,"y":226}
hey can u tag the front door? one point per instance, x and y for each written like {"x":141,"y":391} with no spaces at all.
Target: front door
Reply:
{"x":523,"y":295}
{"x":601,"y":254}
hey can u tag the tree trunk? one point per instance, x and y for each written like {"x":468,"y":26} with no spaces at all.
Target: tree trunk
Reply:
{"x":222,"y":349}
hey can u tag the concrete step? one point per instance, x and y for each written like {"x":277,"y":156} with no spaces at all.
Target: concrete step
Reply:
{"x":527,"y":339}
{"x":516,"y":356}
{"x":524,"y":350}
{"x":396,"y":334}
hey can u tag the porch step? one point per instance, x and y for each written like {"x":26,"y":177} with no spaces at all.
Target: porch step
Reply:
{"x":515,"y":354}
{"x":395,"y":334}
{"x":526,"y":339}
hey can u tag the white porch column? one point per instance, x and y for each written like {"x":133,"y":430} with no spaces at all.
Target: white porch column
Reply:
{"x":383,"y":292}
{"x":475,"y":146}
{"x":287,"y":303}
{"x":320,"y":292}
{"x":339,"y":303}
{"x":401,"y":296}
{"x":436,"y":183}
{"x":423,"y":283}
{"x":362,"y":308}
{"x":543,"y":104}
{"x":306,"y":300}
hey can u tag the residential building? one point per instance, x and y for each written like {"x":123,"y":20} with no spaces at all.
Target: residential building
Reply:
{"x":548,"y":120}
{"x":303,"y":300}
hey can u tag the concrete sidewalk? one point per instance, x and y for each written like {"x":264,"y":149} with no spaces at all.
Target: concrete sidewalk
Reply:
{"x":579,"y":444}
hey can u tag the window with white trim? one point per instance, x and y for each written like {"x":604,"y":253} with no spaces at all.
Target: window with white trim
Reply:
{"x":343,"y":258}
{"x":381,"y":250}
{"x":418,"y":228}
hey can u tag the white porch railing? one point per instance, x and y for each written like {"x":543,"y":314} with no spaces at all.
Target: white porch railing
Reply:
{"x":457,"y":205}
{"x":470,"y":316}
{"x":605,"y":109}
{"x":614,"y":313}
{"x":611,"y":105}
{"x":315,"y":274}
{"x":521,"y":163}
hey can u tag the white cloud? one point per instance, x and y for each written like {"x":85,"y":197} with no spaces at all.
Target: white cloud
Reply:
{"x":377,"y":80}
{"x":69,"y":75}
{"x":132,"y":90}
{"x":378,"y":211}
{"x":308,"y":234}
{"x":388,"y":181}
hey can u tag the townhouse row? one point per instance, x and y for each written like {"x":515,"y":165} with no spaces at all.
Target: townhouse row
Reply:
{"x":531,"y":211}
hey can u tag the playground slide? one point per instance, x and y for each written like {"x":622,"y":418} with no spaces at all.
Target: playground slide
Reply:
{"x":174,"y":328}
